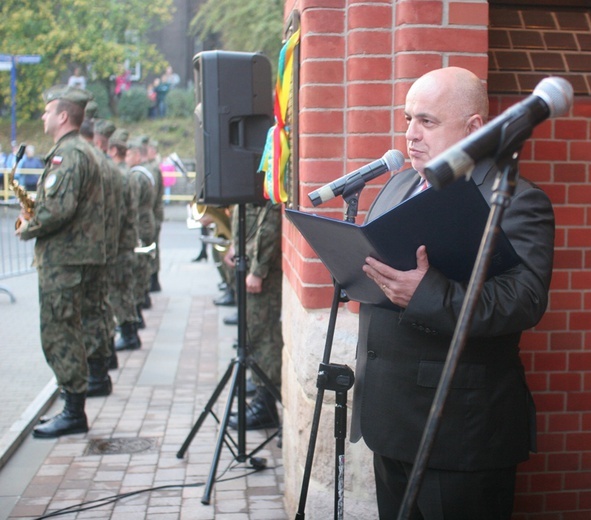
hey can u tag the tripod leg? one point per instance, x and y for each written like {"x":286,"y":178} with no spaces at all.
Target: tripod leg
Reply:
{"x":206,"y":411}
{"x":265,"y":379}
{"x":223,"y":425}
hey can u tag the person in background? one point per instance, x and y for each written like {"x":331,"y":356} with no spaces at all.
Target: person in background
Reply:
{"x":143,"y":178}
{"x":77,"y":79}
{"x":263,"y":307}
{"x":123,"y":276}
{"x":29,"y":162}
{"x":122,"y":81}
{"x":152,"y":163}
{"x":70,"y":253}
{"x":488,"y":424}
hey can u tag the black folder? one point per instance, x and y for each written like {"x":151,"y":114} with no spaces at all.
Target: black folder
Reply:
{"x":449,"y":222}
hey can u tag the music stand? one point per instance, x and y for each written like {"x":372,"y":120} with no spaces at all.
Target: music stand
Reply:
{"x":236,"y":374}
{"x":338,"y":378}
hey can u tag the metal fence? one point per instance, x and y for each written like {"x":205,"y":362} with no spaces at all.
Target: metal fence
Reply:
{"x":16,"y":256}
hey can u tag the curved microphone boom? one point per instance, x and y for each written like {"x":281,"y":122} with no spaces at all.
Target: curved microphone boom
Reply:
{"x":391,"y":161}
{"x":552,"y":97}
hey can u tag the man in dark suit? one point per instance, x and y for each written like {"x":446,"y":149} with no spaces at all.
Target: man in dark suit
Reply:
{"x":488,"y":422}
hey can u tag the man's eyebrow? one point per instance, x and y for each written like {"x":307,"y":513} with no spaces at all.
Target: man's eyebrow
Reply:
{"x":423,"y":115}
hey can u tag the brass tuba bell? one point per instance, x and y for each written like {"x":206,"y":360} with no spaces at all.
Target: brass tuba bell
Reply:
{"x":220,"y":217}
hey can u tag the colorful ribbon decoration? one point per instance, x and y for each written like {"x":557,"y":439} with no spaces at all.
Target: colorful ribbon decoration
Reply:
{"x":275,"y":159}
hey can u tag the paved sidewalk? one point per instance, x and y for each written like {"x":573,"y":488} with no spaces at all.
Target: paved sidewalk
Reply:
{"x":136,"y":432}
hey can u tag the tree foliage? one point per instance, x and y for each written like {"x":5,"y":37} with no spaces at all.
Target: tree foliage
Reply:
{"x":96,"y":35}
{"x":242,"y":25}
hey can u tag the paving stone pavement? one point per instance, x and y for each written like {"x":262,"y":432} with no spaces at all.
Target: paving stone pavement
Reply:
{"x":136,"y":432}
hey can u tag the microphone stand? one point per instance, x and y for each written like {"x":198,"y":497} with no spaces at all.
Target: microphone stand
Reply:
{"x":338,"y":378}
{"x":503,"y":190}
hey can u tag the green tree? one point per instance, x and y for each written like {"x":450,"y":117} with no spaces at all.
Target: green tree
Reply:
{"x":242,"y":25}
{"x":98,"y":36}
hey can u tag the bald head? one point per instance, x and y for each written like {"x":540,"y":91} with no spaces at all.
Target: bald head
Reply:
{"x":442,"y":107}
{"x":458,"y":90}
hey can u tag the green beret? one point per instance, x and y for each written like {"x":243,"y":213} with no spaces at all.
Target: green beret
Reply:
{"x":73,"y":94}
{"x":119,"y":137}
{"x":104,"y":127}
{"x":145,"y":139}
{"x":91,"y":110}
{"x":135,"y":142}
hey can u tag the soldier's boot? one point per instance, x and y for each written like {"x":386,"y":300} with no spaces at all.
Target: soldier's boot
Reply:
{"x":99,"y":380}
{"x":261,"y":412}
{"x":72,"y":419}
{"x":129,"y":339}
{"x":113,"y":360}
{"x":141,"y":323}
{"x":155,"y":283}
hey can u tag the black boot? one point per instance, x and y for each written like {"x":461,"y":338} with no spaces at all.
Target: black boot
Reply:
{"x":71,"y":420}
{"x":260,"y":413}
{"x":99,"y":380}
{"x":147,"y":303}
{"x":141,"y":323}
{"x":155,"y":283}
{"x":129,"y":339}
{"x":113,"y":361}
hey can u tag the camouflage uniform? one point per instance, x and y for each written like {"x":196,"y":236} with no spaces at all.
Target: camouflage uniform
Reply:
{"x":122,"y":274}
{"x":263,"y":310}
{"x":70,"y":255}
{"x":97,"y":347}
{"x":146,"y":228}
{"x":158,"y":209}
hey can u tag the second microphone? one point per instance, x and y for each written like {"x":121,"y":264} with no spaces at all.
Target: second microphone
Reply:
{"x":391,"y":161}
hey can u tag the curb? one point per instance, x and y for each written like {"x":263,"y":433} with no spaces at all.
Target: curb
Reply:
{"x":19,"y":430}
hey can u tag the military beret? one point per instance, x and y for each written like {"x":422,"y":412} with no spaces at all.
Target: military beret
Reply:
{"x":135,"y":142}
{"x":153,"y":143}
{"x":104,"y":127}
{"x":119,"y":137}
{"x":73,"y":94}
{"x":91,"y":110}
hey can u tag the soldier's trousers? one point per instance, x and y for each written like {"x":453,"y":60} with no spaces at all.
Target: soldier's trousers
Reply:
{"x":66,"y":300}
{"x":263,"y":325}
{"x":121,"y":277}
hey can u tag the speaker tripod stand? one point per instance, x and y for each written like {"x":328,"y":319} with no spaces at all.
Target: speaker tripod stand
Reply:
{"x":236,"y":375}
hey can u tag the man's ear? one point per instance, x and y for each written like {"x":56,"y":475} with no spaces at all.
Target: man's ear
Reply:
{"x":62,"y":117}
{"x":474,"y":123}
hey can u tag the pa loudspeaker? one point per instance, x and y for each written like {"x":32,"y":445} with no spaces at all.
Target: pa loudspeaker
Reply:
{"x":233,"y":113}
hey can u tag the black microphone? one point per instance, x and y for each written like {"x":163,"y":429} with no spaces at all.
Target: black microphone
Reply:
{"x":391,"y":161}
{"x":506,"y":133}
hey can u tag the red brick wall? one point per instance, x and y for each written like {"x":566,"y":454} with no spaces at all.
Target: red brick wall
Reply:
{"x":357,"y":61}
{"x":524,"y":47}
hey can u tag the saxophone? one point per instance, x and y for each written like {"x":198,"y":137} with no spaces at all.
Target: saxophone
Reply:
{"x":27,"y":203}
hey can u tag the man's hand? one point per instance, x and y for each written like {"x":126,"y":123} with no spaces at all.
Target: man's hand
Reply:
{"x":398,"y":286}
{"x":229,"y":257}
{"x":254,"y":284}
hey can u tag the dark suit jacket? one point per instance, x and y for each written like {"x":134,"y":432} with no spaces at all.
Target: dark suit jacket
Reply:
{"x":489,"y":419}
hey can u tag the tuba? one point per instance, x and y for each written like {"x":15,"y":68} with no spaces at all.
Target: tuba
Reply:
{"x":219,"y":217}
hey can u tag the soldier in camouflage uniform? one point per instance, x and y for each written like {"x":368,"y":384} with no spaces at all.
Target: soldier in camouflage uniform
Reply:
{"x":114,"y":184}
{"x":153,"y":165}
{"x":145,"y":221}
{"x":263,"y":307}
{"x":69,"y":228}
{"x":122,"y":276}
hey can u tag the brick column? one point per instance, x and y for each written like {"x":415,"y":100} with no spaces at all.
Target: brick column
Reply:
{"x":358,"y":59}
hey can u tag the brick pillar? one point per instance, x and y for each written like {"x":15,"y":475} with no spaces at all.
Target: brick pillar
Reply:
{"x":358,"y":59}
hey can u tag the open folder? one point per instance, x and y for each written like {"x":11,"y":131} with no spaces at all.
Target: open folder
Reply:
{"x":449,"y":222}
